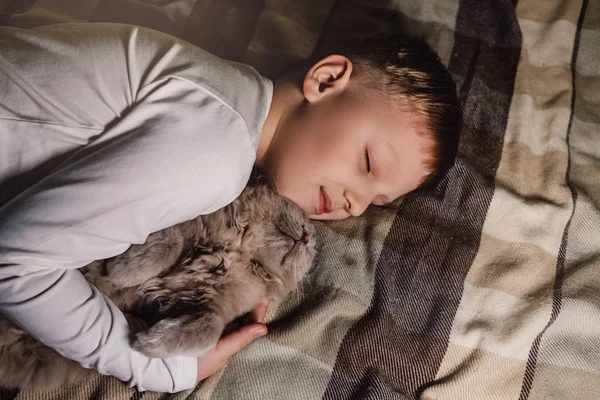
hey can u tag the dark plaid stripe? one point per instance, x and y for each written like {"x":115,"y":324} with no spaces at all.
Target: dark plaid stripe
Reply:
{"x":560,"y":264}
{"x":355,"y":18}
{"x":8,"y":394}
{"x":396,"y":349}
{"x":326,"y":32}
{"x":137,"y":395}
{"x":10,"y":7}
{"x":16,"y":6}
{"x":148,"y":15}
{"x":223,"y":27}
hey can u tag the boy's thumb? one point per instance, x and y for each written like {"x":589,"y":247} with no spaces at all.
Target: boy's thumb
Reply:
{"x":235,"y":341}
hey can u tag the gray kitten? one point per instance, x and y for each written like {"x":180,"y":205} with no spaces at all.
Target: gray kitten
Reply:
{"x":186,"y":283}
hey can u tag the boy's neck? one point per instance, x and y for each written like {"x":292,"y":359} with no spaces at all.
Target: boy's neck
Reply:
{"x":286,"y":96}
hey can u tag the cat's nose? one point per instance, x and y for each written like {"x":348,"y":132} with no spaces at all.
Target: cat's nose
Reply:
{"x":305,"y":237}
{"x":308,"y":228}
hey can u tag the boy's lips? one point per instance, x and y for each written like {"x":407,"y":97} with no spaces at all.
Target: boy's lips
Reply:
{"x":324,"y":202}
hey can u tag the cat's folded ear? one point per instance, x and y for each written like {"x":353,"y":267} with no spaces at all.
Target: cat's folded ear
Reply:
{"x":260,"y":176}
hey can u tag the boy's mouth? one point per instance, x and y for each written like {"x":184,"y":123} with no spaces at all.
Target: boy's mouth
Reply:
{"x":324,"y":202}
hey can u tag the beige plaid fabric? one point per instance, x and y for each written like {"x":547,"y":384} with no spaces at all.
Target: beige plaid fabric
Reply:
{"x":488,"y":287}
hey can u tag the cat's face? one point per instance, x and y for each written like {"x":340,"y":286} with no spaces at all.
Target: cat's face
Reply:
{"x":275,"y":232}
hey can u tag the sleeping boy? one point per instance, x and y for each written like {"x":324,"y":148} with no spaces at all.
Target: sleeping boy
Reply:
{"x":111,"y":132}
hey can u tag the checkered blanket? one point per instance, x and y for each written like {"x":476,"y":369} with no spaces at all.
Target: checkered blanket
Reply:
{"x":487,"y":287}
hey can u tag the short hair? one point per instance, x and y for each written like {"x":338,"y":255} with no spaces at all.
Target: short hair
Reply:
{"x":408,"y":72}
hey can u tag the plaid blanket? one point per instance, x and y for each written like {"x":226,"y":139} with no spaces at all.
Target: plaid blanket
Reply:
{"x":487,"y":287}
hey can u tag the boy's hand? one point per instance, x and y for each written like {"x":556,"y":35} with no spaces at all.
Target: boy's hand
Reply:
{"x":233,"y":342}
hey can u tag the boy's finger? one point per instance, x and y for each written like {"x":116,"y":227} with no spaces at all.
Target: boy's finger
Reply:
{"x":230,"y":344}
{"x":226,"y":347}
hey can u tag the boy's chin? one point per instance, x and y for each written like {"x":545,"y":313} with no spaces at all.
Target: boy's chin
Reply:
{"x":332,"y":216}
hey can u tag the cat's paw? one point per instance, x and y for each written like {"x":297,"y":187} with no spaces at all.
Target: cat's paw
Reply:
{"x":159,"y":341}
{"x":171,"y":337}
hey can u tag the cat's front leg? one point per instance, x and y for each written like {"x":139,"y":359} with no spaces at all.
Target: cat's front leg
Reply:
{"x":195,"y":302}
{"x":191,"y":335}
{"x":188,"y":305}
{"x":144,"y":261}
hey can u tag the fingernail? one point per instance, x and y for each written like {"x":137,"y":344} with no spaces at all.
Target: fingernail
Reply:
{"x":260,"y":331}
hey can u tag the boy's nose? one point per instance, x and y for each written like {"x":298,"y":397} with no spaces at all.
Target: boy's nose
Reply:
{"x":356,"y":210}
{"x":356,"y":205}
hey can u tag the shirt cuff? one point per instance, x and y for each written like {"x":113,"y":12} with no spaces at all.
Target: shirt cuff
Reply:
{"x":188,"y":372}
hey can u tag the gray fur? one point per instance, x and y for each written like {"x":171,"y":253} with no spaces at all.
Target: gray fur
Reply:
{"x":186,"y":282}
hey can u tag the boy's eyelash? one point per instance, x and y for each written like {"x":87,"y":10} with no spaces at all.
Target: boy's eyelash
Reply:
{"x":368,"y":161}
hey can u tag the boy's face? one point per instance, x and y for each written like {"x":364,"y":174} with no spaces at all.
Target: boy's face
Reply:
{"x":319,"y":157}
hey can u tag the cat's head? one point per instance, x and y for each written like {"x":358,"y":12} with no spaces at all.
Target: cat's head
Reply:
{"x":273,"y":231}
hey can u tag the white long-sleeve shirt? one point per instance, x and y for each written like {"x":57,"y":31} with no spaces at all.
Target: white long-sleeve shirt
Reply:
{"x":107,"y":134}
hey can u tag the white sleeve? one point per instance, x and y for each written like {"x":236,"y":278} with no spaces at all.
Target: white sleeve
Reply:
{"x":175,"y":154}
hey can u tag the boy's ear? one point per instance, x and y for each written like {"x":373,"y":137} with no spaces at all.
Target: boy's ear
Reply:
{"x":328,"y":76}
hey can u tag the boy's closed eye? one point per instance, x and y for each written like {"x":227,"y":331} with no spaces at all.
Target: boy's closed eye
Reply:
{"x":318,"y":118}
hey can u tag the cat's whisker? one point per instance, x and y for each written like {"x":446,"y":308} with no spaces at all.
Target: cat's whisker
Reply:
{"x":309,"y":283}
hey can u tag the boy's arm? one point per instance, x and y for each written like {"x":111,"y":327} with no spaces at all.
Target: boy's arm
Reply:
{"x":166,"y":160}
{"x":59,"y":308}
